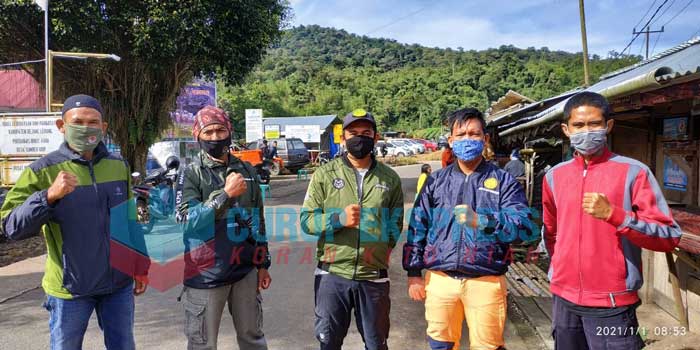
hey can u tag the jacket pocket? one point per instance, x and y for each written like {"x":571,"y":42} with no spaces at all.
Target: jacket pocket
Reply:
{"x":195,"y":322}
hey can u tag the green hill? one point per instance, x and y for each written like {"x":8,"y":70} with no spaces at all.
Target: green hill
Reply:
{"x":315,"y":70}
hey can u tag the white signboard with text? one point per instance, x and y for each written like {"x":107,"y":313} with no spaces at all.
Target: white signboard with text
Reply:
{"x":29,"y":135}
{"x":253,"y":125}
{"x":307,"y":133}
{"x":11,"y":170}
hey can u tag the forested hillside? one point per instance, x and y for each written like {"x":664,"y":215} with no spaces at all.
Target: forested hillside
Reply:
{"x":315,"y":70}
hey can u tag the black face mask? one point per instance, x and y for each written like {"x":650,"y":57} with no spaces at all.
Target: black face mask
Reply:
{"x":216,"y":148}
{"x":360,"y":146}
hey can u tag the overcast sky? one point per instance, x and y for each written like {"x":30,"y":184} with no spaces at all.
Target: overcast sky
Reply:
{"x":480,"y":24}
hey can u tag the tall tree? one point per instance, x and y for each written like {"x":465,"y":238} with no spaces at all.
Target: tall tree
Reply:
{"x":163,"y":45}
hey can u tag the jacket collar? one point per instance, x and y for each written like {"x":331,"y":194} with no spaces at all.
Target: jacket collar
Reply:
{"x":481,"y":168}
{"x":601,"y":158}
{"x":346,"y":161}
{"x":206,"y":161}
{"x":99,"y":153}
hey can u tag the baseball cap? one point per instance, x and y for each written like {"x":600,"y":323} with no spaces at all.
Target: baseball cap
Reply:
{"x":357,"y":115}
{"x":78,"y":101}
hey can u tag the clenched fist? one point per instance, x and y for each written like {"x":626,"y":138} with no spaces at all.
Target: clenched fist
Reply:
{"x":235,"y":185}
{"x":64,"y":184}
{"x":351,"y":216}
{"x":596,"y":205}
{"x":416,"y":288}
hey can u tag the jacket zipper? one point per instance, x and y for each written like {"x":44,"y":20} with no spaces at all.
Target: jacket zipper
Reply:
{"x":97,"y":195}
{"x":461,"y":231}
{"x":360,"y":195}
{"x":580,"y":235}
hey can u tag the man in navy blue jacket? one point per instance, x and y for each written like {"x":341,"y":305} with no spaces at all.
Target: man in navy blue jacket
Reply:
{"x":460,"y":232}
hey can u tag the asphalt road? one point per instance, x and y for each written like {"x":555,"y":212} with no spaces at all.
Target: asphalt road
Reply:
{"x":288,"y":304}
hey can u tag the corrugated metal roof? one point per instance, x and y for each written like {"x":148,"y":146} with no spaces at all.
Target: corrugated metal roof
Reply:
{"x":501,"y":119}
{"x":512,"y":100}
{"x":321,"y":120}
{"x":661,"y":69}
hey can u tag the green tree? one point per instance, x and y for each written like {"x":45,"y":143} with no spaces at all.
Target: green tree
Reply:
{"x":163,"y":45}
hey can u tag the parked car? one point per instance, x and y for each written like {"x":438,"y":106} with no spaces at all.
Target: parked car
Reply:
{"x":292,"y":151}
{"x":430,"y":146}
{"x":442,"y":143}
{"x":392,"y":150}
{"x":421,"y":148}
{"x":415,"y":148}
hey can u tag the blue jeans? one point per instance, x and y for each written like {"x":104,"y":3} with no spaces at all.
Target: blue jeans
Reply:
{"x":68,"y":319}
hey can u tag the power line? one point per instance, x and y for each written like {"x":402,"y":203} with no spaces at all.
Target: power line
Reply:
{"x":669,"y":21}
{"x":673,"y":2}
{"x":21,"y":63}
{"x":645,"y":14}
{"x":655,"y":42}
{"x":646,"y":25}
{"x":678,"y":13}
{"x":399,"y":19}
{"x":695,"y":34}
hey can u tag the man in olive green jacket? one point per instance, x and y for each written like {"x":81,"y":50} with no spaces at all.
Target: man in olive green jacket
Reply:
{"x":355,"y":205}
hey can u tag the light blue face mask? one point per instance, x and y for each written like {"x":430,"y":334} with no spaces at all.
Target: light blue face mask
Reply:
{"x":589,"y":142}
{"x":467,"y":149}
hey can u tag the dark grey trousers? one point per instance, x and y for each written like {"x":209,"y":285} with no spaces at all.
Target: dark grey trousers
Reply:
{"x":204,"y":308}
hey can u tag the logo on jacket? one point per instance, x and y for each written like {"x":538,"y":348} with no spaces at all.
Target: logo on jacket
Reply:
{"x":338,"y":183}
{"x":382,"y":186}
{"x":491,"y":183}
{"x":118,"y":191}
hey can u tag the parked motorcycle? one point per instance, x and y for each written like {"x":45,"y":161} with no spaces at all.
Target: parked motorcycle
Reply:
{"x":155,"y":195}
{"x":263,"y":171}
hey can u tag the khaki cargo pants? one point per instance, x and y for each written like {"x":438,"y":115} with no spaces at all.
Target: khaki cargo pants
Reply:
{"x":204,"y":308}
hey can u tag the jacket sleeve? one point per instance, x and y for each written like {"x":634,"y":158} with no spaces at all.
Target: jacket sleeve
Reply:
{"x":649,"y":224}
{"x":26,"y":208}
{"x":549,"y":216}
{"x":315,"y":219}
{"x":195,"y":213}
{"x":396,"y":214}
{"x":513,"y":221}
{"x":419,"y":225}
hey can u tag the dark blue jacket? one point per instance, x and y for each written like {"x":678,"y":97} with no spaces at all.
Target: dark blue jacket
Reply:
{"x":94,"y":244}
{"x":436,"y":241}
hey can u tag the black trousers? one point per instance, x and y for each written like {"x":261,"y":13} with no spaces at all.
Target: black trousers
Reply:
{"x":337,"y":297}
{"x":573,"y":331}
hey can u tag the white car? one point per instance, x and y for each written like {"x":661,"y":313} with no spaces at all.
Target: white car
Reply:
{"x":416,"y":148}
{"x":392,"y":150}
{"x":402,"y":145}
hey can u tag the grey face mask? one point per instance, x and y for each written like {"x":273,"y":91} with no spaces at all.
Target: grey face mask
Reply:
{"x":590,"y":142}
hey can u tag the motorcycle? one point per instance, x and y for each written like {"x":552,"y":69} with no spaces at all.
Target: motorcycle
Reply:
{"x":263,"y":171}
{"x":155,"y":195}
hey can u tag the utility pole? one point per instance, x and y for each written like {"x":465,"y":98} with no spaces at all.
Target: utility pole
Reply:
{"x":647,"y":32}
{"x":582,"y":13}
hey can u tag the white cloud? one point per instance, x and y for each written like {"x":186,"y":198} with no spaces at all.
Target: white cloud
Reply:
{"x":492,"y":23}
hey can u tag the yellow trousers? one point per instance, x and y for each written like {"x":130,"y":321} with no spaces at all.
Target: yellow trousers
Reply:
{"x":448,"y":300}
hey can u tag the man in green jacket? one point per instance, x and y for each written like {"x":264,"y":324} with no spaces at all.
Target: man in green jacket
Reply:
{"x":354,"y":204}
{"x":79,"y":198}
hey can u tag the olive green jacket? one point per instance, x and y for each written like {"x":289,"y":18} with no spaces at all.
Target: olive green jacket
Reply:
{"x":354,"y":253}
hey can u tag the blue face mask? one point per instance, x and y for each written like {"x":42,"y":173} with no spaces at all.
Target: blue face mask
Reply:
{"x":467,"y":149}
{"x":589,"y":142}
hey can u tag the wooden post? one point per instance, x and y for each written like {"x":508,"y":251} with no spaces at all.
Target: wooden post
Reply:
{"x":675,"y":285}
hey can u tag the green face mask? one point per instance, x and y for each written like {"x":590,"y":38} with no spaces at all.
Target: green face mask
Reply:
{"x":82,"y":138}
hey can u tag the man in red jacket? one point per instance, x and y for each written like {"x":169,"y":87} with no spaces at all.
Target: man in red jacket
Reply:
{"x":599,"y":210}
